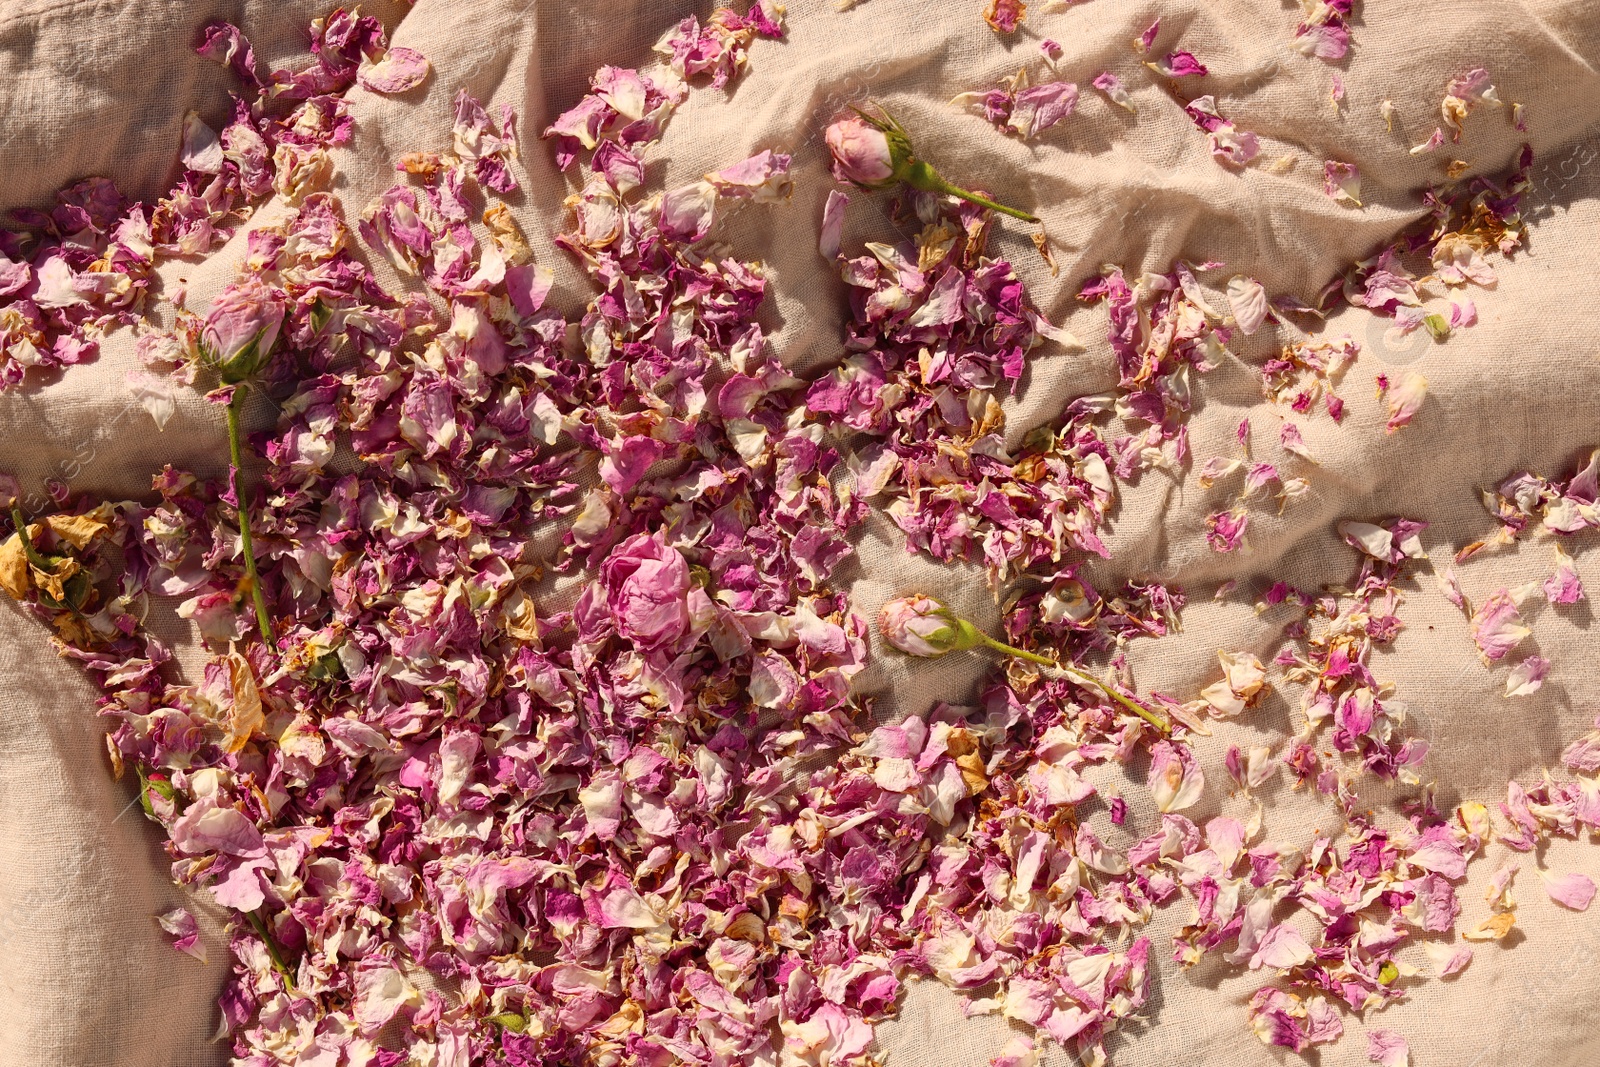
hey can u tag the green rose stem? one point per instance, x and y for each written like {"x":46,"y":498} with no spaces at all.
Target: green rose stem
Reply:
{"x":28,"y":550}
{"x":920,"y":175}
{"x":236,"y":341}
{"x":1081,"y":677}
{"x":235,"y":452}
{"x":74,"y":592}
{"x":922,"y":626}
{"x":276,"y":953}
{"x":874,"y":152}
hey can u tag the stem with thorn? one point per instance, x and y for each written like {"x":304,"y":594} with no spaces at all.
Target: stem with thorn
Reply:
{"x":235,"y":452}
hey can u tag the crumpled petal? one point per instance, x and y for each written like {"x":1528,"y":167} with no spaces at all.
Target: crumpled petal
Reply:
{"x":400,"y":69}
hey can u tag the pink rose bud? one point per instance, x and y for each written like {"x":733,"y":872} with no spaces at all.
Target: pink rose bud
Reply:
{"x":241,"y":328}
{"x":874,"y":152}
{"x":921,"y":626}
{"x":861,"y":152}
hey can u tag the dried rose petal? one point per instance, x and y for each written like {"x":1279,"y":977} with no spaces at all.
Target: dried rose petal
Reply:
{"x":399,"y":70}
{"x":1573,"y":890}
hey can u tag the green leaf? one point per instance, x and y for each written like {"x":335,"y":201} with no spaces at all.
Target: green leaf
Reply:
{"x":326,"y":666}
{"x":153,"y":782}
{"x":319,"y":316}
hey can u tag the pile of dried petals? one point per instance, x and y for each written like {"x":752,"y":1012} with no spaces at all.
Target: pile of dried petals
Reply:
{"x":517,"y":762}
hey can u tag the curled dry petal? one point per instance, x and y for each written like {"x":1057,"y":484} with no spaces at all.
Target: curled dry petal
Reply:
{"x":1112,"y":86}
{"x":1405,"y":398}
{"x":1176,"y":780}
{"x":1342,"y":182}
{"x":1527,"y":677}
{"x":1248,"y":299}
{"x":1497,"y":626}
{"x":399,"y":70}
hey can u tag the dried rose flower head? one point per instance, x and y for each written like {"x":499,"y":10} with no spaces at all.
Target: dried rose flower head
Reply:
{"x":862,"y":154}
{"x":241,"y":328}
{"x":921,"y":626}
{"x":874,"y":152}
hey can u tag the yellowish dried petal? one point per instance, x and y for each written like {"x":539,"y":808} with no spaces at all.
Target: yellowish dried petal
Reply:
{"x":78,"y":530}
{"x":1493,"y":928}
{"x":14,"y":568}
{"x":246,"y":717}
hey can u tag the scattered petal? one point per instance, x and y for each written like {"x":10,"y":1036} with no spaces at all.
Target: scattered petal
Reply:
{"x":1573,"y":891}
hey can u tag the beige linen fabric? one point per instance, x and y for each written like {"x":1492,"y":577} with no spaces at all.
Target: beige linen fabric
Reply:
{"x":85,"y":977}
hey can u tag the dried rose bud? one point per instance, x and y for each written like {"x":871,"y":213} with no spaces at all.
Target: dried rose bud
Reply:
{"x":241,"y":328}
{"x":921,"y":626}
{"x":862,"y":154}
{"x":10,"y":491}
{"x":236,"y":341}
{"x":873,"y":151}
